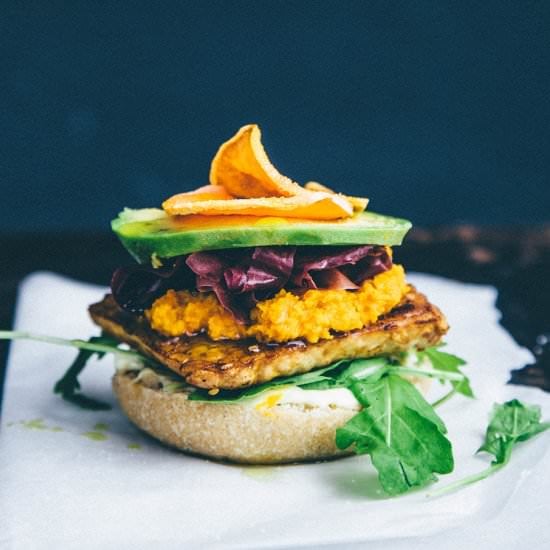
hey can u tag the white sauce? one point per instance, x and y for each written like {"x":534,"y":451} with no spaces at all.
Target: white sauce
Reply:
{"x":337,"y":397}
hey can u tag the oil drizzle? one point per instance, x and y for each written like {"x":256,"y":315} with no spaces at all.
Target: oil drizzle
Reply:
{"x":260,"y":473}
{"x":101,"y":427}
{"x":34,"y":424}
{"x":95,"y":436}
{"x":97,"y":433}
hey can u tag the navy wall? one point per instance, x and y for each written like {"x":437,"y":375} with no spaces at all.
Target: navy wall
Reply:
{"x":438,"y":111}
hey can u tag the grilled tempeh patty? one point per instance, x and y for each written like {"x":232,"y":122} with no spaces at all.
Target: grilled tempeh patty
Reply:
{"x":230,"y":364}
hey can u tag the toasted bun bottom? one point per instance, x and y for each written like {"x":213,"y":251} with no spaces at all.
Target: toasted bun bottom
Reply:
{"x":234,"y":431}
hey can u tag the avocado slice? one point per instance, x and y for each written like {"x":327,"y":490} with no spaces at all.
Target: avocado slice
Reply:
{"x":150,"y":233}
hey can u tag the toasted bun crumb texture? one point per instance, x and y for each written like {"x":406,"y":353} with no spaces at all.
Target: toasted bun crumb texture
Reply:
{"x":236,"y":432}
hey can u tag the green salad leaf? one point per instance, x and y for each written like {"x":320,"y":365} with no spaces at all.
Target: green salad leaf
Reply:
{"x":323,"y":378}
{"x":68,"y":386}
{"x":446,"y":362}
{"x":510,"y":423}
{"x":399,"y":430}
{"x":337,"y":375}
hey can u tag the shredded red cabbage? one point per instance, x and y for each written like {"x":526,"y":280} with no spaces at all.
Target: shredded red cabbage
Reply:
{"x":135,"y":288}
{"x":242,"y":277}
{"x":328,"y":267}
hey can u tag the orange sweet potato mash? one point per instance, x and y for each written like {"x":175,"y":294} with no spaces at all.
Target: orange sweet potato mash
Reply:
{"x":311,"y":316}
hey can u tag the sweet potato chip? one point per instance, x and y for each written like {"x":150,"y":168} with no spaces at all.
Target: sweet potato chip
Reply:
{"x":242,"y":166}
{"x":207,"y":193}
{"x":307,"y":205}
{"x":243,"y":181}
{"x":359,"y":203}
{"x":316,"y":186}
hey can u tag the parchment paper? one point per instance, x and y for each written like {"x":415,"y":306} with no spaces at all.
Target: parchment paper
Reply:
{"x":78,"y":479}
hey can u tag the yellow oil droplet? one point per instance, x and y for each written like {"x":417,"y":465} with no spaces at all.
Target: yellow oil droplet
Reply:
{"x":268,"y":403}
{"x":95,"y":436}
{"x":259,"y":473}
{"x":102,"y":427}
{"x":35,"y":424}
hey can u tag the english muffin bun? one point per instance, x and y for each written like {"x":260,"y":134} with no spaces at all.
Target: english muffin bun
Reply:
{"x":245,"y":432}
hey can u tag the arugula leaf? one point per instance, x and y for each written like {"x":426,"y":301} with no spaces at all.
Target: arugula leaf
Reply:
{"x":316,"y":376}
{"x":446,"y":362}
{"x":401,"y":432}
{"x":68,"y":386}
{"x":337,"y":375}
{"x":404,"y":394}
{"x":510,"y":423}
{"x":108,"y":345}
{"x":363,"y":368}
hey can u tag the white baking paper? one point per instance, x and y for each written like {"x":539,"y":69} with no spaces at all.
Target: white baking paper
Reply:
{"x":64,"y":486}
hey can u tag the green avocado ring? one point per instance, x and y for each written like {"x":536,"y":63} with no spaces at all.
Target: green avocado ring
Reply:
{"x":150,"y":234}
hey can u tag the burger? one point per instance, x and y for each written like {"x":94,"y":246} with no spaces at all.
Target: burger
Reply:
{"x":272,"y":325}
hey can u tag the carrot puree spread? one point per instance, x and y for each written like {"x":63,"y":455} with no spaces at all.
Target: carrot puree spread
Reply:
{"x":311,"y":316}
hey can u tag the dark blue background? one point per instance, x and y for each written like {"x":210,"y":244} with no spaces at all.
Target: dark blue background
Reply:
{"x":438,"y":111}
